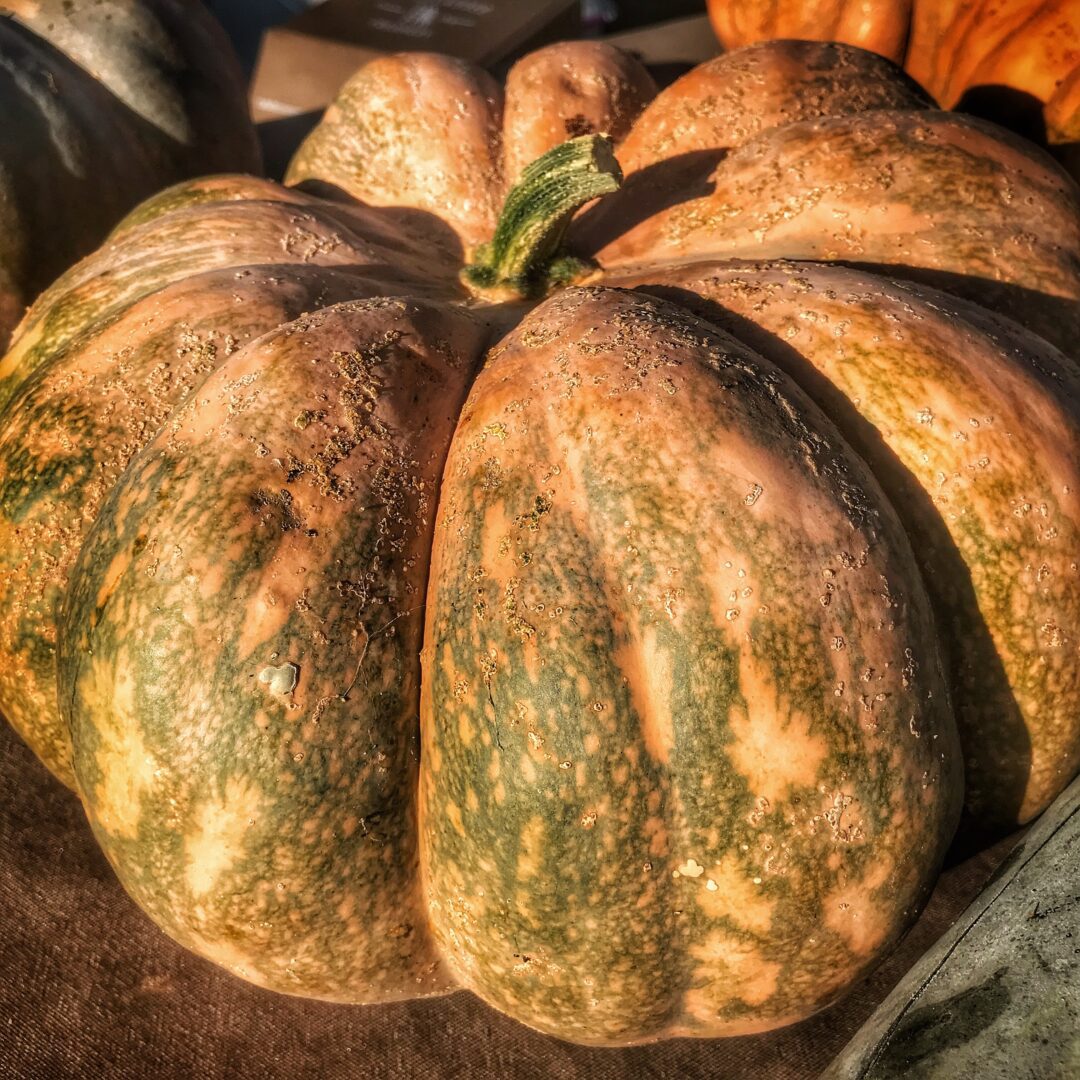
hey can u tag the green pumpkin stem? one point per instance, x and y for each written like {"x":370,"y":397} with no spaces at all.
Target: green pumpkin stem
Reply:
{"x":523,"y":258}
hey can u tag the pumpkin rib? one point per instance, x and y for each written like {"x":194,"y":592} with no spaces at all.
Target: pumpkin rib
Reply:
{"x":685,"y":455}
{"x":198,"y":236}
{"x":725,"y":102}
{"x":986,"y":66}
{"x":268,"y":822}
{"x":567,"y":90}
{"x":75,"y":425}
{"x":946,"y":50}
{"x":880,"y":188}
{"x":171,"y":65}
{"x":986,"y":37}
{"x":939,"y":398}
{"x":414,"y":130}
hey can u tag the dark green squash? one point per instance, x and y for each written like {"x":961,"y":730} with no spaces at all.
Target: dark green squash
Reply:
{"x":103,"y":102}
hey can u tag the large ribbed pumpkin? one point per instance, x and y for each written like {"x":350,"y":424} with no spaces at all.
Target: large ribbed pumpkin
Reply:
{"x":1013,"y":61}
{"x":103,"y":102}
{"x":422,"y":597}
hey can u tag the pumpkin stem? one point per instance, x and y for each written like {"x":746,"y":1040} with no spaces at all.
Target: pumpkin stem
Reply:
{"x":522,"y":259}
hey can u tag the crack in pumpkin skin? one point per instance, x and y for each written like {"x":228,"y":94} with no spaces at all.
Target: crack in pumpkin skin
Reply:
{"x":977,"y":445}
{"x":73,"y":428}
{"x":259,"y":804}
{"x":614,"y":931}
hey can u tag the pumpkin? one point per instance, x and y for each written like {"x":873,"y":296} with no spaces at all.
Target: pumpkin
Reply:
{"x":878,"y":25}
{"x":570,"y":605}
{"x":104,"y":102}
{"x":1013,"y":61}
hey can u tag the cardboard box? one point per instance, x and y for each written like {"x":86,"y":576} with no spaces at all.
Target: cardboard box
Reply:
{"x":670,"y":48}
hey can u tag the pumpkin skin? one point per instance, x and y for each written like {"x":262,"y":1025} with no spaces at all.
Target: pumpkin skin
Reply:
{"x":1030,"y":47}
{"x":647,"y":741}
{"x":725,"y":102}
{"x":103,"y":104}
{"x":242,"y":653}
{"x":162,"y":329}
{"x":884,"y":189}
{"x":407,"y":130}
{"x":1012,"y":61}
{"x":159,"y":243}
{"x":951,"y":403}
{"x":233,"y":801}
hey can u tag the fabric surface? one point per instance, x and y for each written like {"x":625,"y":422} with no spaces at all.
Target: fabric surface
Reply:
{"x":90,"y":988}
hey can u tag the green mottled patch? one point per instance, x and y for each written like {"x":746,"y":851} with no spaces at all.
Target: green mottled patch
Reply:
{"x":654,"y":812}
{"x":240,"y":672}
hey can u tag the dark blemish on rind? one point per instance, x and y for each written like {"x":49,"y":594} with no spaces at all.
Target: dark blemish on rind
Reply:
{"x":282,"y":503}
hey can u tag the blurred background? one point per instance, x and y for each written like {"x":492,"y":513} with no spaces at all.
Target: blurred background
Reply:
{"x":297,"y":53}
{"x":247,"y":20}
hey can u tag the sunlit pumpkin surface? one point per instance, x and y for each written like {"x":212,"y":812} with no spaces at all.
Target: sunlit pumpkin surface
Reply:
{"x":603,"y":652}
{"x":1014,"y":61}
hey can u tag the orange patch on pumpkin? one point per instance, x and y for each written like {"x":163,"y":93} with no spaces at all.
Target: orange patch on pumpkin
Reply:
{"x":220,"y":833}
{"x":111,"y":578}
{"x":268,"y":610}
{"x":531,"y":849}
{"x":453,"y":812}
{"x":774,"y":748}
{"x":656,"y":830}
{"x":128,"y":769}
{"x":648,"y":668}
{"x":735,"y":971}
{"x":466,"y":730}
{"x":727,"y":891}
{"x":855,"y":914}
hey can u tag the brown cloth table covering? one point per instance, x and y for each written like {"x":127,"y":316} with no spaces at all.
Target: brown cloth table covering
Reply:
{"x":90,"y":988}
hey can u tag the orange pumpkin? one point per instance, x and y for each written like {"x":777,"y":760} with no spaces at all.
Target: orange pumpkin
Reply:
{"x":878,"y":25}
{"x":1013,"y":61}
